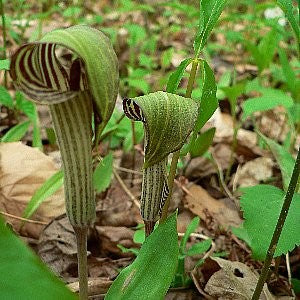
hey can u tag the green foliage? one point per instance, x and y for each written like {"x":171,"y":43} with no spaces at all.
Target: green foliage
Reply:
{"x":284,"y":159}
{"x":291,"y":80}
{"x":16,"y":133}
{"x":177,"y":75}
{"x":210,"y":11}
{"x":202,"y":142}
{"x":48,"y":188}
{"x":103,"y":173}
{"x":181,"y":279}
{"x":5,"y":97}
{"x":261,"y":205}
{"x":23,"y":275}
{"x":144,"y":277}
{"x":287,"y":7}
{"x":263,"y":53}
{"x":270,"y":98}
{"x":4,"y":64}
{"x":208,"y":101}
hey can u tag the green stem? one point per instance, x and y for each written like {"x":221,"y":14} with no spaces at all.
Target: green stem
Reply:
{"x":4,"y":38}
{"x":176,"y":154}
{"x":282,"y":217}
{"x":81,"y":238}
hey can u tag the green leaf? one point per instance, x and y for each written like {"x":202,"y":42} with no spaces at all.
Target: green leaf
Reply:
{"x":199,"y":248}
{"x":264,"y":52}
{"x":289,"y":74}
{"x":27,"y":107}
{"x":210,"y":11}
{"x":173,"y":115}
{"x":4,"y":64}
{"x":23,"y":275}
{"x":48,"y":188}
{"x":128,"y":250}
{"x":284,"y":159}
{"x":208,"y":102}
{"x":287,"y":7}
{"x":261,"y":205}
{"x":103,"y":173}
{"x":202,"y":142}
{"x":139,"y":236}
{"x":270,"y":99}
{"x":233,"y":92}
{"x":16,"y":133}
{"x":5,"y":97}
{"x":151,"y":274}
{"x":189,"y":230}
{"x":177,"y":75}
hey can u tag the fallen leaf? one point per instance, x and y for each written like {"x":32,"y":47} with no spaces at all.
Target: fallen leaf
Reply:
{"x":254,"y":172}
{"x":200,"y":202}
{"x":23,"y":170}
{"x":110,"y":237}
{"x":234,"y":281}
{"x":57,"y":246}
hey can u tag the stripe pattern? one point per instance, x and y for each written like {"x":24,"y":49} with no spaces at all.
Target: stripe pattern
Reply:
{"x":155,"y":188}
{"x":36,"y":70}
{"x":72,"y":125}
{"x":155,"y":191}
{"x":132,"y":110}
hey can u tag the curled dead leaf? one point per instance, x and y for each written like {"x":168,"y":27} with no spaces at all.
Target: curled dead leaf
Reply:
{"x":23,"y":170}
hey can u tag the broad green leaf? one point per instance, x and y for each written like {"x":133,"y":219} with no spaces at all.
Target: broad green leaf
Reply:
{"x":48,"y":188}
{"x":151,"y":274}
{"x":189,"y":230}
{"x":5,"y":97}
{"x":261,"y":205}
{"x":208,"y":102}
{"x":270,"y":99}
{"x":287,"y":7}
{"x":210,"y":11}
{"x":199,"y":248}
{"x":202,"y":142}
{"x":16,"y":133}
{"x":23,"y":275}
{"x":4,"y":64}
{"x":284,"y":159}
{"x":177,"y":75}
{"x":168,"y":121}
{"x":103,"y":173}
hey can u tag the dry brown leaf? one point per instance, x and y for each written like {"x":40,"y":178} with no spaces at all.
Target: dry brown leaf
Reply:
{"x":254,"y":172}
{"x":23,"y":170}
{"x":111,"y":236}
{"x":200,"y":202}
{"x":57,"y":245}
{"x":234,"y":281}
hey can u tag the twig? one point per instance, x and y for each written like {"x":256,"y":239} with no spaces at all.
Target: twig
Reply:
{"x":288,"y":267}
{"x":126,"y":190}
{"x":22,"y":219}
{"x":127,"y":170}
